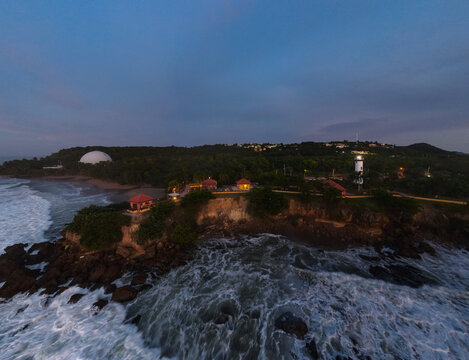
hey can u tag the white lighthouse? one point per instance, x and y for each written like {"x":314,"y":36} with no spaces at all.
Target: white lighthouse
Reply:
{"x":359,"y":171}
{"x":359,"y":164}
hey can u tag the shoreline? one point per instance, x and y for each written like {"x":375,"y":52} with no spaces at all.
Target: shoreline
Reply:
{"x":124,"y":192}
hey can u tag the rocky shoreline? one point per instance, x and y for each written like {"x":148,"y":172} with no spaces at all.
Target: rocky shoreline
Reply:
{"x":52,"y":267}
{"x":66,"y":263}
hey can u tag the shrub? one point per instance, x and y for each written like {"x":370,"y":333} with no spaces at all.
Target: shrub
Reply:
{"x":155,"y":225}
{"x":331,"y":196}
{"x":184,"y":233}
{"x":98,"y":226}
{"x":264,"y":202}
{"x":404,"y":207}
{"x":196,"y":198}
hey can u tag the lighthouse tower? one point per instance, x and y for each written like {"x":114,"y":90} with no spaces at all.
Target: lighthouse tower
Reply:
{"x":359,"y":171}
{"x":359,"y":164}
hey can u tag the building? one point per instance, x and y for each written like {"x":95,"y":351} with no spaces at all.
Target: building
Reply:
{"x":55,"y":167}
{"x":209,"y":184}
{"x":141,"y":203}
{"x":336,"y":186}
{"x":359,"y":164}
{"x":174,"y":196}
{"x":243,"y":184}
{"x":95,"y":157}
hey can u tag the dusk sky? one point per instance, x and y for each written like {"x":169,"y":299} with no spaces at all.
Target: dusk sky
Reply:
{"x":76,"y":73}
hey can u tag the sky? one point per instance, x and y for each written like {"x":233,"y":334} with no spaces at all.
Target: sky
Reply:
{"x":115,"y":73}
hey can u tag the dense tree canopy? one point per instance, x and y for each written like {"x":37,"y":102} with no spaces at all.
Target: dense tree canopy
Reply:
{"x":281,"y":165}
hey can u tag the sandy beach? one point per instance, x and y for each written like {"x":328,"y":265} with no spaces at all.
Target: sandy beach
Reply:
{"x":125,"y":192}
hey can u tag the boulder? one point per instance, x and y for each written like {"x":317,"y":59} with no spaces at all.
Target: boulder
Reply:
{"x":139,"y":279}
{"x":124,"y":293}
{"x":111,"y":273}
{"x":15,"y":252}
{"x":75,"y":298}
{"x":97,"y":273}
{"x":312,"y":349}
{"x":108,"y":289}
{"x":98,"y":305}
{"x":291,"y":325}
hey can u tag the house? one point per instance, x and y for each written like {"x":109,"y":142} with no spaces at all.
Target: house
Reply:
{"x":174,"y":196}
{"x":209,"y":184}
{"x":336,"y":186}
{"x":141,"y":203}
{"x":243,"y":184}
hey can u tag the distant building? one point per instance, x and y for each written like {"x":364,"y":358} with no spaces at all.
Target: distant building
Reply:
{"x":400,"y":173}
{"x":359,"y":164}
{"x":427,"y":173}
{"x":95,"y":157}
{"x":243,"y":184}
{"x":174,"y":196}
{"x":141,"y":203}
{"x":336,"y":186}
{"x":55,"y":167}
{"x":209,"y":184}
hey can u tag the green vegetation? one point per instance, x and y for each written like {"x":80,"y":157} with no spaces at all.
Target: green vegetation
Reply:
{"x":184,"y":233}
{"x":403,"y":208}
{"x":281,"y":166}
{"x":196,"y":199}
{"x":264,"y":202}
{"x":155,"y":225}
{"x":99,"y":226}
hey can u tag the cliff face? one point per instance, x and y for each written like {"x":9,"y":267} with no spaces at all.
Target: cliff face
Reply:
{"x":233,"y":209}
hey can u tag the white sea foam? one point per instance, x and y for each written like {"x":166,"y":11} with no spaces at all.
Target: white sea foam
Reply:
{"x":225,"y":302}
{"x":24,"y":215}
{"x":34,"y":329}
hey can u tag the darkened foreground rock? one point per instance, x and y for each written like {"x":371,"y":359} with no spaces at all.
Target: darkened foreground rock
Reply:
{"x":312,"y":349}
{"x":123,"y":294}
{"x":401,"y":275}
{"x":98,"y":305}
{"x":68,"y":263}
{"x":291,"y":325}
{"x":75,"y":298}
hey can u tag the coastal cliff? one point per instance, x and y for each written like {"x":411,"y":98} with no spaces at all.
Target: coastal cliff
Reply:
{"x":68,"y":262}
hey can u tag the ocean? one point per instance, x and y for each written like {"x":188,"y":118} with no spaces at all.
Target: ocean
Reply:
{"x":224,"y":302}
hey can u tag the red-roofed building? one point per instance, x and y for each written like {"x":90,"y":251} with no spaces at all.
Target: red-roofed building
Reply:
{"x":243,"y":184}
{"x":209,"y":184}
{"x":141,"y":203}
{"x":336,"y":186}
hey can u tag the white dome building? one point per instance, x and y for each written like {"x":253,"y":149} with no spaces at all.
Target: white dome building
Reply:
{"x":94,"y":157}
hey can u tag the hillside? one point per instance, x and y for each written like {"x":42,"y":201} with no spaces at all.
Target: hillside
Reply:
{"x":282,"y":165}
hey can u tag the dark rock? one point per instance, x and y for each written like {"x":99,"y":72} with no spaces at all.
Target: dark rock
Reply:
{"x":20,"y":310}
{"x":99,"y":305}
{"x":291,"y":325}
{"x":133,"y":320}
{"x":401,"y":275}
{"x":221,"y":319}
{"x":123,"y":294}
{"x":75,"y":298}
{"x":370,"y":258}
{"x":19,"y":282}
{"x":312,"y":349}
{"x":139,"y":279}
{"x":136,"y":320}
{"x":7,"y":266}
{"x":97,"y":273}
{"x":145,"y":287}
{"x":112,"y":273}
{"x":15,"y":252}
{"x":108,"y":289}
